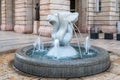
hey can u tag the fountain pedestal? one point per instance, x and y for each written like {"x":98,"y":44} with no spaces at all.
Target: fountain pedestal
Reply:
{"x":62,"y":52}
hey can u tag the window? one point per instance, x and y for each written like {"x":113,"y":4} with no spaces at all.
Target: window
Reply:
{"x":117,"y":6}
{"x":98,"y":5}
{"x":72,"y":5}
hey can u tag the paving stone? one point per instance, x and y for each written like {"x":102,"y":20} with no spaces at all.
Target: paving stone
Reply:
{"x":116,"y":78}
{"x":52,"y":79}
{"x":115,"y":67}
{"x":114,"y":57}
{"x":117,"y":61}
{"x":75,"y":79}
{"x":12,"y":78}
{"x":103,"y":76}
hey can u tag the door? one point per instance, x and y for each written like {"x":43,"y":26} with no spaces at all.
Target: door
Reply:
{"x":80,"y":6}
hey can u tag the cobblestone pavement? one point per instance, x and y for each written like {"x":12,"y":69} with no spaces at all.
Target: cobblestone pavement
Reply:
{"x":10,"y":41}
{"x":7,"y":72}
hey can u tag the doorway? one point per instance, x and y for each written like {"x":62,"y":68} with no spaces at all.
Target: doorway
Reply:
{"x":80,"y":6}
{"x":34,"y":2}
{"x":33,"y":11}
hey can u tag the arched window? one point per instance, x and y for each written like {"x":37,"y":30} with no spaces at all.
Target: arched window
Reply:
{"x":98,"y":6}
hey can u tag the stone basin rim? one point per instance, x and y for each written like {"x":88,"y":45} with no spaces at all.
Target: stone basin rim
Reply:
{"x":62,"y":68}
{"x":83,"y":62}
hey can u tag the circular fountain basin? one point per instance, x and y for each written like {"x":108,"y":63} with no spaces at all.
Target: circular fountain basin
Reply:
{"x":66,"y":68}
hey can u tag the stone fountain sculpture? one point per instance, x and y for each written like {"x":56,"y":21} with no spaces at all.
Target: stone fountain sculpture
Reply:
{"x":62,"y":34}
{"x":63,"y":26}
{"x":62,"y":60}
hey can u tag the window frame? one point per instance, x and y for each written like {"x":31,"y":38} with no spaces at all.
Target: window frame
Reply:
{"x":117,"y":5}
{"x":98,"y":6}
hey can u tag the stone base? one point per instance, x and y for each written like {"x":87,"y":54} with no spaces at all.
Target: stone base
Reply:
{"x":7,"y":27}
{"x":62,"y":52}
{"x":36,"y":27}
{"x":108,"y":35}
{"x":22,"y":29}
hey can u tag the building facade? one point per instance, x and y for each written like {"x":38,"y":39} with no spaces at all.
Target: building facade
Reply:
{"x":19,"y":15}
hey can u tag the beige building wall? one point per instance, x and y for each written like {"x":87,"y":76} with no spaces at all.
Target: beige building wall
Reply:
{"x":18,"y":15}
{"x":81,"y":8}
{"x":106,"y":19}
{"x":0,"y":14}
{"x":119,"y":9}
{"x":7,"y":15}
{"x":3,"y":14}
{"x":23,"y":16}
{"x":10,"y":15}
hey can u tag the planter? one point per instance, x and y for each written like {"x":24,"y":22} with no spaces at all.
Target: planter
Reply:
{"x":94,"y":35}
{"x":108,"y":35}
{"x":118,"y":37}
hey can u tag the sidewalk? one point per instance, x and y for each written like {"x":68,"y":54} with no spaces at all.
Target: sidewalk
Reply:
{"x":12,"y":41}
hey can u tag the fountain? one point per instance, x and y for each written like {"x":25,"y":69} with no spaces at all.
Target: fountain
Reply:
{"x":62,"y":59}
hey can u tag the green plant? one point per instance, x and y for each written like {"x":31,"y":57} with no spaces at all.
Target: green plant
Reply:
{"x":100,"y":31}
